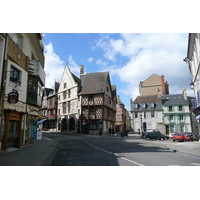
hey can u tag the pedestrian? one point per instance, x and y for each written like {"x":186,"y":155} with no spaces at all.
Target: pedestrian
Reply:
{"x":109,"y":130}
{"x":139,"y":131}
{"x":100,"y":131}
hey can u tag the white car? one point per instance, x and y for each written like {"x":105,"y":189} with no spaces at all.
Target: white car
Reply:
{"x":171,"y":135}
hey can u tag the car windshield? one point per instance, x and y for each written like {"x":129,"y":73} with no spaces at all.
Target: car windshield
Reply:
{"x":179,"y":134}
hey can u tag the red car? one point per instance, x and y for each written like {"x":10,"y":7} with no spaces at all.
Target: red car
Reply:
{"x":178,"y":137}
{"x":189,"y":136}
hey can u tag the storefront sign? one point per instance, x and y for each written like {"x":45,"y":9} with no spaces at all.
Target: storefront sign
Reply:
{"x":39,"y":135}
{"x":13,"y":97}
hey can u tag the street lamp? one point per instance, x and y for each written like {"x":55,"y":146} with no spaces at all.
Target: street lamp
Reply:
{"x":192,"y":85}
{"x":141,"y":124}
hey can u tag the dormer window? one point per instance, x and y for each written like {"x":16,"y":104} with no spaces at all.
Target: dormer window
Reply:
{"x":136,"y":105}
{"x":152,"y":105}
{"x":143,"y":105}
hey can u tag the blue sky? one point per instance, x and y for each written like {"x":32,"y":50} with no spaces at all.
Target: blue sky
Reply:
{"x":129,"y":58}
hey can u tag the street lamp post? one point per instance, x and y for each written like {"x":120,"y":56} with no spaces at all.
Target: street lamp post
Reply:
{"x":141,"y":125}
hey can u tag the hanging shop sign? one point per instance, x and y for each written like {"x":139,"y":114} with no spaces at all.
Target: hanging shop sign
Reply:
{"x":13,"y":97}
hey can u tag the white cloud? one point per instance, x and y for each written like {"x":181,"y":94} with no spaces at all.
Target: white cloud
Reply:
{"x":74,"y":67}
{"x":100,"y":62}
{"x":161,"y":54}
{"x":53,"y":64}
{"x":90,"y":59}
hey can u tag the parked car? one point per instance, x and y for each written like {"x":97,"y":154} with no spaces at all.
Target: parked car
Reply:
{"x":156,"y":135}
{"x":178,"y":137}
{"x":171,"y":135}
{"x":189,"y":137}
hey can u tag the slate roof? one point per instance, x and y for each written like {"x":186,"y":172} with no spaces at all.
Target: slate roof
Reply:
{"x":147,"y":99}
{"x":174,"y":99}
{"x":94,"y":83}
{"x":137,"y":104}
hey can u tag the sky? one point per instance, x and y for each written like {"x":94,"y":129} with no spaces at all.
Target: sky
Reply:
{"x":128,"y":57}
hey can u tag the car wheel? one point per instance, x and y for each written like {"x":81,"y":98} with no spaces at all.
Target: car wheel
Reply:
{"x":173,"y":140}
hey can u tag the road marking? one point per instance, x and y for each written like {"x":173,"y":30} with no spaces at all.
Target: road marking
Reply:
{"x":48,"y":139}
{"x":106,"y":151}
{"x":183,"y":154}
{"x":114,"y":154}
{"x":131,"y":161}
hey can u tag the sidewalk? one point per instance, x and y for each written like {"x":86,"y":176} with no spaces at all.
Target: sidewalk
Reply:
{"x":39,"y":154}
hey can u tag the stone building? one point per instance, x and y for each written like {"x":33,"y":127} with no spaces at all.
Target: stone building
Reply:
{"x":176,"y":113}
{"x":147,"y":113}
{"x":153,"y":85}
{"x":122,"y":117}
{"x":23,"y":79}
{"x":193,"y":61}
{"x":69,"y":103}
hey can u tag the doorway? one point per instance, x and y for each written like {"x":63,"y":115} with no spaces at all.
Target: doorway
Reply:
{"x":144,"y":126}
{"x":13,"y":133}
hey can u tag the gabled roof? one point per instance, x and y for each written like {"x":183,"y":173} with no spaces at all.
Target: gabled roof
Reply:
{"x":54,"y":89}
{"x":174,"y":99}
{"x":94,"y":83}
{"x":147,"y":99}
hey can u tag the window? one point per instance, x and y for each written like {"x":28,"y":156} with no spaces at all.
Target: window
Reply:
{"x":144,"y":115}
{"x":152,"y":105}
{"x":171,"y":117}
{"x":136,"y":105}
{"x":64,"y":95}
{"x":144,"y":105}
{"x":172,"y":128}
{"x":18,"y":40}
{"x":170,"y":108}
{"x":14,"y":75}
{"x":68,"y":106}
{"x":180,"y":108}
{"x":94,"y":125}
{"x":65,"y":85}
{"x":107,"y":89}
{"x":181,"y":117}
{"x":69,"y":93}
{"x":50,"y":101}
{"x":152,"y":114}
{"x":64,"y":107}
{"x":92,"y":113}
{"x":136,"y":115}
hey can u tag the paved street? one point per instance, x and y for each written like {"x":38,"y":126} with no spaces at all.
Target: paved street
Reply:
{"x":60,"y":149}
{"x":89,"y":150}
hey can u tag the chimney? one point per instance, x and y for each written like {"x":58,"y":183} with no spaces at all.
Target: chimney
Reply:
{"x":185,"y":94}
{"x":81,"y":70}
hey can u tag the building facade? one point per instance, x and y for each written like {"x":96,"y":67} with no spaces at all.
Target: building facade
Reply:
{"x":153,"y":85}
{"x":98,"y":103}
{"x":193,"y":61}
{"x":69,"y":103}
{"x":147,"y":113}
{"x":122,"y":117}
{"x":23,"y":79}
{"x":176,"y":113}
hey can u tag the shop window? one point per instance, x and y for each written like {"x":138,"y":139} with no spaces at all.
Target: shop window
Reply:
{"x":94,"y":125}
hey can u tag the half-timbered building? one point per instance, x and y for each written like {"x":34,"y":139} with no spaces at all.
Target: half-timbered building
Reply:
{"x":98,"y":103}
